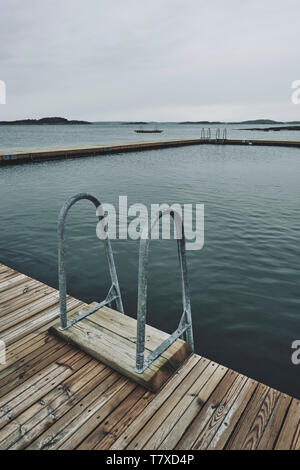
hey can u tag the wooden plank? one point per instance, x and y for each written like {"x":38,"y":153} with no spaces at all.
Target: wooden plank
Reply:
{"x":24,"y":359}
{"x":55,"y":377}
{"x":130,"y":432}
{"x":174,"y":426}
{"x":99,"y":342}
{"x":110,"y":423}
{"x":44,"y":413}
{"x":16,"y":357}
{"x":155,"y":425}
{"x":28,"y":311}
{"x":28,"y":326}
{"x":60,"y":356}
{"x":287,"y":437}
{"x":47,"y":355}
{"x":111,"y":434}
{"x":22,"y":289}
{"x":273,"y":427}
{"x":16,"y":395}
{"x":96,"y":416}
{"x":238,"y":437}
{"x":4,"y":276}
{"x":192,"y":403}
{"x":218,"y":416}
{"x":30,"y":339}
{"x":89,"y":340}
{"x":15,"y":281}
{"x":189,"y":438}
{"x":20,"y":427}
{"x":30,"y":293}
{"x":260,"y":422}
{"x":224,"y":432}
{"x":4,"y":268}
{"x":48,"y":380}
{"x":126,"y":327}
{"x":296,"y":442}
{"x":63,"y":428}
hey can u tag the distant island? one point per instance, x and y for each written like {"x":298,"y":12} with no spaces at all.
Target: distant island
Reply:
{"x":255,"y":121}
{"x":201,"y":122}
{"x":137,"y":122}
{"x":288,"y":125}
{"x":46,"y":120}
{"x":267,"y":129}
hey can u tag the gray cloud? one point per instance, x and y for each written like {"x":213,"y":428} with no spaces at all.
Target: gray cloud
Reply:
{"x":160,"y":60}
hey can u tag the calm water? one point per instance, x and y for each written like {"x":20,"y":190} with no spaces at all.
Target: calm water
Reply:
{"x":244,"y":282}
{"x":22,"y":137}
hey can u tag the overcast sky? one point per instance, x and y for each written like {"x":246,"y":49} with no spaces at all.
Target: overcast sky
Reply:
{"x":165,"y":60}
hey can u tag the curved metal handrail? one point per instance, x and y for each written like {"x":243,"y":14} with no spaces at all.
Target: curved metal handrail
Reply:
{"x":218,"y":134}
{"x":114,"y":293}
{"x":202,"y":136}
{"x":185,"y":325}
{"x":224,"y":137}
{"x":208,"y":133}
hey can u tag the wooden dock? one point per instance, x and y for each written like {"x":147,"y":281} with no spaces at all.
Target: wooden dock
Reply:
{"x":54,"y":396}
{"x":38,"y":155}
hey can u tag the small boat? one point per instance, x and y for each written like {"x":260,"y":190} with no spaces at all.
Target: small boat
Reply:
{"x":148,"y":131}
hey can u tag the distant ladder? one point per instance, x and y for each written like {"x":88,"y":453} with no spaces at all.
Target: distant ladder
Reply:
{"x":218,"y":135}
{"x":206,"y":135}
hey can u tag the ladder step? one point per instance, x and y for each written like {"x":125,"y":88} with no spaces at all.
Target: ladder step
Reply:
{"x":110,"y":337}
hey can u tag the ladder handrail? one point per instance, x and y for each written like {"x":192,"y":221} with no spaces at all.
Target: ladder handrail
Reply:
{"x":185,"y":324}
{"x":114,"y":293}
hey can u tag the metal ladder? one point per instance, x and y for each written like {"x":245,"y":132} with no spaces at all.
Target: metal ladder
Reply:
{"x":206,"y":135}
{"x":114,"y":294}
{"x":185,"y":327}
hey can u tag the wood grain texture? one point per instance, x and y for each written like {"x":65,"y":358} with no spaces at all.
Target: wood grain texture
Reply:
{"x":109,"y":337}
{"x":55,"y":396}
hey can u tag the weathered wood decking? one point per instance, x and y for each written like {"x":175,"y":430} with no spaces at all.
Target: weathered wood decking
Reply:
{"x":106,"y":331}
{"x":36,"y":155}
{"x":53,"y":396}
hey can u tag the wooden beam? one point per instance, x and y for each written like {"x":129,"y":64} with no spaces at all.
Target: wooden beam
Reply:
{"x":108,"y":336}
